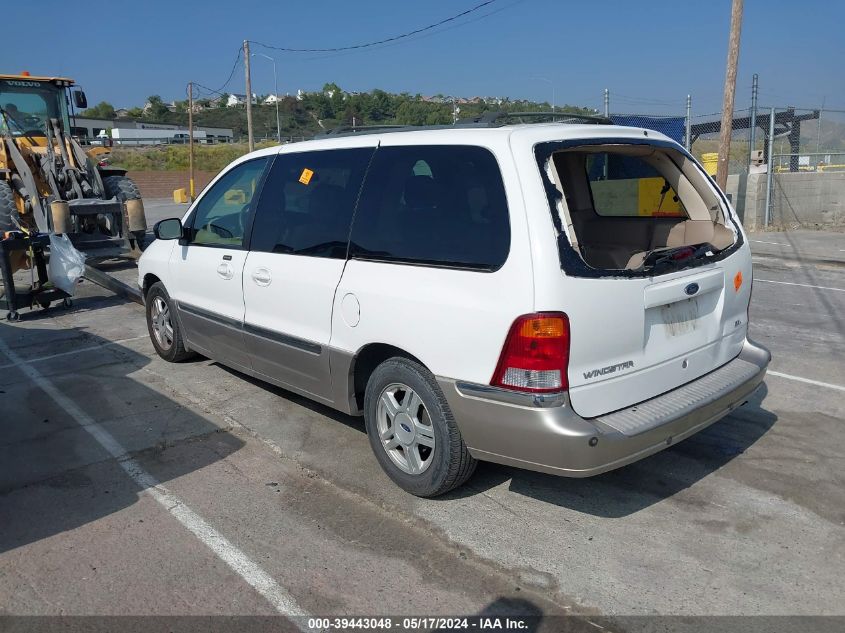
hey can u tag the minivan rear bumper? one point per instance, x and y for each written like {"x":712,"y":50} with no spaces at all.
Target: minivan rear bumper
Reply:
{"x":543,"y":433}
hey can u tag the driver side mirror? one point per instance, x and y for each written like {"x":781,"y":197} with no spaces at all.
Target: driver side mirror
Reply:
{"x":80,"y":100}
{"x":170,"y":229}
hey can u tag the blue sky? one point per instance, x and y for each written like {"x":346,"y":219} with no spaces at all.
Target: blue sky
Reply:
{"x":650,"y":54}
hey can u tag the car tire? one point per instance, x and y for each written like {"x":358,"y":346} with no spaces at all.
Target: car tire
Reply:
{"x":163,"y":326}
{"x":425,"y":455}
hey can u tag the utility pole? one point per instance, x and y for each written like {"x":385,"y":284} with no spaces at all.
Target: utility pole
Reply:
{"x":606,"y":103}
{"x":730,"y":93}
{"x":688,"y":125}
{"x":752,"y":140}
{"x":191,"y":141}
{"x":248,"y":97}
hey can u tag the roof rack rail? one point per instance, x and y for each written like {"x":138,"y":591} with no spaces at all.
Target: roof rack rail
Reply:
{"x":484,"y":120}
{"x":363,"y":129}
{"x":496,"y":119}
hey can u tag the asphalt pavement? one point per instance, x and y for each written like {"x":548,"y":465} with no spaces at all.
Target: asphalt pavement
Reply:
{"x":132,"y":486}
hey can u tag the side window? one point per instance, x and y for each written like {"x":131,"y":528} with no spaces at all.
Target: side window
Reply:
{"x":221,"y":216}
{"x":433,"y":204}
{"x":307,"y":202}
{"x":628,"y":186}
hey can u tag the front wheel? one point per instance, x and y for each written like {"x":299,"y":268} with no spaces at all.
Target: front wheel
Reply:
{"x":412,"y":431}
{"x":163,"y":326}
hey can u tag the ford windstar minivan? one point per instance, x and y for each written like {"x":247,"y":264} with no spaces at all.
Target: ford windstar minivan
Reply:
{"x":561,"y":297}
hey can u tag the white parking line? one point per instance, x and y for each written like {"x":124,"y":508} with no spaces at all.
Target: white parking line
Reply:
{"x":818,"y":383}
{"x":762,"y":242}
{"x":92,"y":348}
{"x":239,"y":562}
{"x":789,"y":283}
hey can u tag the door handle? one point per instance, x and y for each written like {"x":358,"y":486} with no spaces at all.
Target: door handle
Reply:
{"x":261,"y":276}
{"x":225,"y":270}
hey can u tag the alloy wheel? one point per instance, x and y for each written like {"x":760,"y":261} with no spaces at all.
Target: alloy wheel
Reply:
{"x":161,"y":323}
{"x":405,"y":429}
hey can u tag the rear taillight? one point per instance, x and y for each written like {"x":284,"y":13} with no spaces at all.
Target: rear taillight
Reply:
{"x":535,"y":357}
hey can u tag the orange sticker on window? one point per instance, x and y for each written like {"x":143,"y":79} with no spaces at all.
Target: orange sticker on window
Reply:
{"x":737,"y":281}
{"x":305,"y":176}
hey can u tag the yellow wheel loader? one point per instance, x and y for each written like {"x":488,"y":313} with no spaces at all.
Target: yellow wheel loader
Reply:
{"x":50,"y":184}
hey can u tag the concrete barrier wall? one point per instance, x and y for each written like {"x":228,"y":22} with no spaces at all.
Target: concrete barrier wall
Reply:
{"x":160,"y":184}
{"x":806,"y":199}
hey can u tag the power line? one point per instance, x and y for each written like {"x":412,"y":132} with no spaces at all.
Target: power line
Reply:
{"x":219,"y":91}
{"x":383,"y":41}
{"x":208,"y":90}
{"x":416,"y":38}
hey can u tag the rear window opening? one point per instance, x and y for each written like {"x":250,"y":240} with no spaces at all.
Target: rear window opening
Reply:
{"x":642,"y":209}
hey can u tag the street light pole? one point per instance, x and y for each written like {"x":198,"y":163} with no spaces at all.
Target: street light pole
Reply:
{"x":275,"y":94}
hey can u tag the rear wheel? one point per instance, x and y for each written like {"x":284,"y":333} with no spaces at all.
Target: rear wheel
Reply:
{"x":412,"y":431}
{"x":7,"y":207}
{"x":163,"y":326}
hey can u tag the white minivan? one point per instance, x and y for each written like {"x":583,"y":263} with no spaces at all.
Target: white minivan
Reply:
{"x":562,"y":297}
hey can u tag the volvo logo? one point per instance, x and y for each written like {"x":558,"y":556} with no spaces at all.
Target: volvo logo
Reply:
{"x":405,"y":427}
{"x":23,"y":84}
{"x":691,"y":289}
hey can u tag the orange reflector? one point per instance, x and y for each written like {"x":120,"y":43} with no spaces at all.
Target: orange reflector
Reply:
{"x":25,"y":73}
{"x":544,"y":327}
{"x":737,"y":281}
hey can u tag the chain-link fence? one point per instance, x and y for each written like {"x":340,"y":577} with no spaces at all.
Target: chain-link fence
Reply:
{"x":806,"y":184}
{"x":806,"y":187}
{"x":804,"y":139}
{"x":705,"y":131}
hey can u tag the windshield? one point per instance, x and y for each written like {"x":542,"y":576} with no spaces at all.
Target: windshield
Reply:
{"x":28,"y":104}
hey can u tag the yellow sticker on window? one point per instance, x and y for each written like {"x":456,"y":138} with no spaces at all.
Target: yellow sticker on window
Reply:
{"x":305,"y":176}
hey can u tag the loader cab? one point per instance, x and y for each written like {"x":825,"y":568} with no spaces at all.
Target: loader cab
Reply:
{"x":29,"y":102}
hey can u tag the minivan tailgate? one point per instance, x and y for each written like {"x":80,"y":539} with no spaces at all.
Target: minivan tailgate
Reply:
{"x":644,"y":337}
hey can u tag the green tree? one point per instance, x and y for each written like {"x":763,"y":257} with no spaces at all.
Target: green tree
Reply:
{"x":382,"y":107}
{"x":351,"y":114}
{"x":157,"y":110}
{"x":331,"y":87}
{"x":412,"y":113}
{"x":103,"y":110}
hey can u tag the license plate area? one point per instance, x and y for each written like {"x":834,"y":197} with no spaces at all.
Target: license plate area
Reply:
{"x":680,"y":318}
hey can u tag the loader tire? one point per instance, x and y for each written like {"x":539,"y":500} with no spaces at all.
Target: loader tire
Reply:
{"x":121,"y":187}
{"x":124,"y":188}
{"x":7,"y":207}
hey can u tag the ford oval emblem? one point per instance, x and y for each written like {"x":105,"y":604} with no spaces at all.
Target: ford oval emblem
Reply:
{"x":691,"y":289}
{"x":405,"y":427}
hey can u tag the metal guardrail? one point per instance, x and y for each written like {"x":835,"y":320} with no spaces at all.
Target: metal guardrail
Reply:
{"x":142,"y":142}
{"x":812,"y":162}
